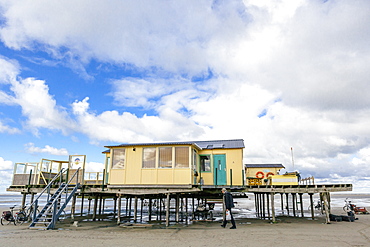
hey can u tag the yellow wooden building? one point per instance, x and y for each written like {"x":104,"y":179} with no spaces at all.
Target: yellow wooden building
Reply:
{"x":257,"y":174}
{"x":217,"y":162}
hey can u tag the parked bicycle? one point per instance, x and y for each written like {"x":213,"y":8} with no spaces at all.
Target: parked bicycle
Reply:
{"x":8,"y":217}
{"x":348,"y":206}
{"x":25,"y":214}
{"x":317,"y":206}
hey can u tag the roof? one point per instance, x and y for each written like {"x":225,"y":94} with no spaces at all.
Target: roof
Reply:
{"x":264,"y":165}
{"x":217,"y":144}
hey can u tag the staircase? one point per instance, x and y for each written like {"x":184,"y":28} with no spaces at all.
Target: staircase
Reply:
{"x":56,"y":203}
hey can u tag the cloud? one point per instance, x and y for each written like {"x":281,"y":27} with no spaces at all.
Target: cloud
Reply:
{"x":30,"y":147}
{"x":8,"y":129}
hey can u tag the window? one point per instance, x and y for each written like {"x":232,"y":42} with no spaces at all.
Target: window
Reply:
{"x":118,"y":160}
{"x":149,"y":157}
{"x":205,"y":163}
{"x":181,"y":157}
{"x":165,"y":157}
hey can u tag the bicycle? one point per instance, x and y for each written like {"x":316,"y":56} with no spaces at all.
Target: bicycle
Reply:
{"x":317,"y":206}
{"x":25,"y":215}
{"x":8,"y":216}
{"x":348,"y":206}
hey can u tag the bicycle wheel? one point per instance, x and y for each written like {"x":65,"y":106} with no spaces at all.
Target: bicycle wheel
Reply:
{"x":21,"y":218}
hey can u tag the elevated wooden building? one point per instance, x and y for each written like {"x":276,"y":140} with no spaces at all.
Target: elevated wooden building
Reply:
{"x":157,"y":173}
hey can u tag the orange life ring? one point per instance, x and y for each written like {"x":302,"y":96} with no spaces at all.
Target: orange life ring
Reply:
{"x":268,"y":174}
{"x":260,"y":175}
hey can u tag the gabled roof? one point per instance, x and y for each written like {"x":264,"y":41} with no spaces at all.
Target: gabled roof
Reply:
{"x":264,"y":165}
{"x":201,"y":145}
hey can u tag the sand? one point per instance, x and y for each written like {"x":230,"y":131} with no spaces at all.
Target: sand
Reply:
{"x":288,"y":231}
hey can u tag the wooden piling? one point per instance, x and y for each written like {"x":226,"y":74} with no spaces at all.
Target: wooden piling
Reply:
{"x":119,"y":210}
{"x":168,"y":210}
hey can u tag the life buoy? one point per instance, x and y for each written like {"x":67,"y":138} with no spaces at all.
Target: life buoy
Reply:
{"x":260,"y":175}
{"x":268,"y":174}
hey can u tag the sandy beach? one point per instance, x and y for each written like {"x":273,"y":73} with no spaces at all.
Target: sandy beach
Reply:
{"x":288,"y":231}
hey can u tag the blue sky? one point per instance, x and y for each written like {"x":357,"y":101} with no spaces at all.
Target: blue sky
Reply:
{"x":75,"y":76}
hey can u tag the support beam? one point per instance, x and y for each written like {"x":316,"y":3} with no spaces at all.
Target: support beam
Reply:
{"x":312,"y":206}
{"x":273,"y":207}
{"x":168,"y":211}
{"x":119,"y":210}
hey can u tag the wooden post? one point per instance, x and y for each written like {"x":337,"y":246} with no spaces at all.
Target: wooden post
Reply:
{"x":82,"y":204}
{"x":88,"y":209}
{"x":301,"y":200}
{"x":177,"y":207}
{"x":273,"y":207}
{"x":73,"y":208}
{"x":150,"y":209}
{"x":312,"y":206}
{"x":95,"y":207}
{"x":186,"y":210}
{"x":114,"y":206}
{"x":263,"y":205}
{"x":141,"y":209}
{"x":129,"y":207}
{"x":287,"y":203}
{"x":135,"y":209}
{"x":268,"y":205}
{"x":293,"y":202}
{"x":119,"y":210}
{"x":24,"y":197}
{"x":168,"y":211}
{"x":282,"y":202}
{"x":326,"y":206}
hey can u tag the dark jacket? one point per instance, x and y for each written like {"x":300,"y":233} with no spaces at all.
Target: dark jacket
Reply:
{"x":229,"y":201}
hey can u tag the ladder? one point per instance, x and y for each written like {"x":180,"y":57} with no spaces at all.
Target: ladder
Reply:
{"x":55,"y":205}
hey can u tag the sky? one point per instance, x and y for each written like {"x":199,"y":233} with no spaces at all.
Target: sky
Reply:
{"x":291,"y":78}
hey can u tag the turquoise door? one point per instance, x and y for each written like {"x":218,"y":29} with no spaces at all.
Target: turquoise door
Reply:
{"x":219,"y":164}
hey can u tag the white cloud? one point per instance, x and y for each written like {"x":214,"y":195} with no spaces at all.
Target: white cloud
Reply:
{"x":5,"y":164}
{"x":285,"y":74}
{"x":30,"y":147}
{"x":7,"y":129}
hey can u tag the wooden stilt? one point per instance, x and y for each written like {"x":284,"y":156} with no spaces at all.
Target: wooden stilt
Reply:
{"x":141,"y":209}
{"x":177,"y":208}
{"x":24,"y":197}
{"x":326,"y":206}
{"x":119,"y":210}
{"x":114,"y":206}
{"x":102,"y":209}
{"x":129,"y":207}
{"x":150,"y":209}
{"x":73,"y":208}
{"x":256,"y":205}
{"x":268,"y":205}
{"x":168,"y":211}
{"x":82,"y":204}
{"x":282,"y":202}
{"x":312,"y":206}
{"x":301,"y":201}
{"x":263,"y":206}
{"x":273,"y":207}
{"x":100,"y":204}
{"x":186,"y":211}
{"x":293,"y":203}
{"x":88,"y":209}
{"x":126,"y":206}
{"x":135,"y":208}
{"x":287,"y":203}
{"x":95,"y":207}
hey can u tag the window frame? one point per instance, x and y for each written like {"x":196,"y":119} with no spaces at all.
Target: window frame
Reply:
{"x":210,"y":163}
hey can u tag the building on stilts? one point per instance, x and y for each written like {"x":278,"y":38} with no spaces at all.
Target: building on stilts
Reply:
{"x":169,"y":180}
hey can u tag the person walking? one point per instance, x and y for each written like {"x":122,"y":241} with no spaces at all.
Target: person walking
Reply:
{"x":228,"y":204}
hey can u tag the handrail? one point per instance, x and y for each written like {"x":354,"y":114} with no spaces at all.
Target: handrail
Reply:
{"x":47,"y":186}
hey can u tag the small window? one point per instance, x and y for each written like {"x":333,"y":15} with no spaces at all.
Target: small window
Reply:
{"x":119,"y":156}
{"x":181,"y":157}
{"x":165,"y":157}
{"x":205,"y":163}
{"x":149,"y":157}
